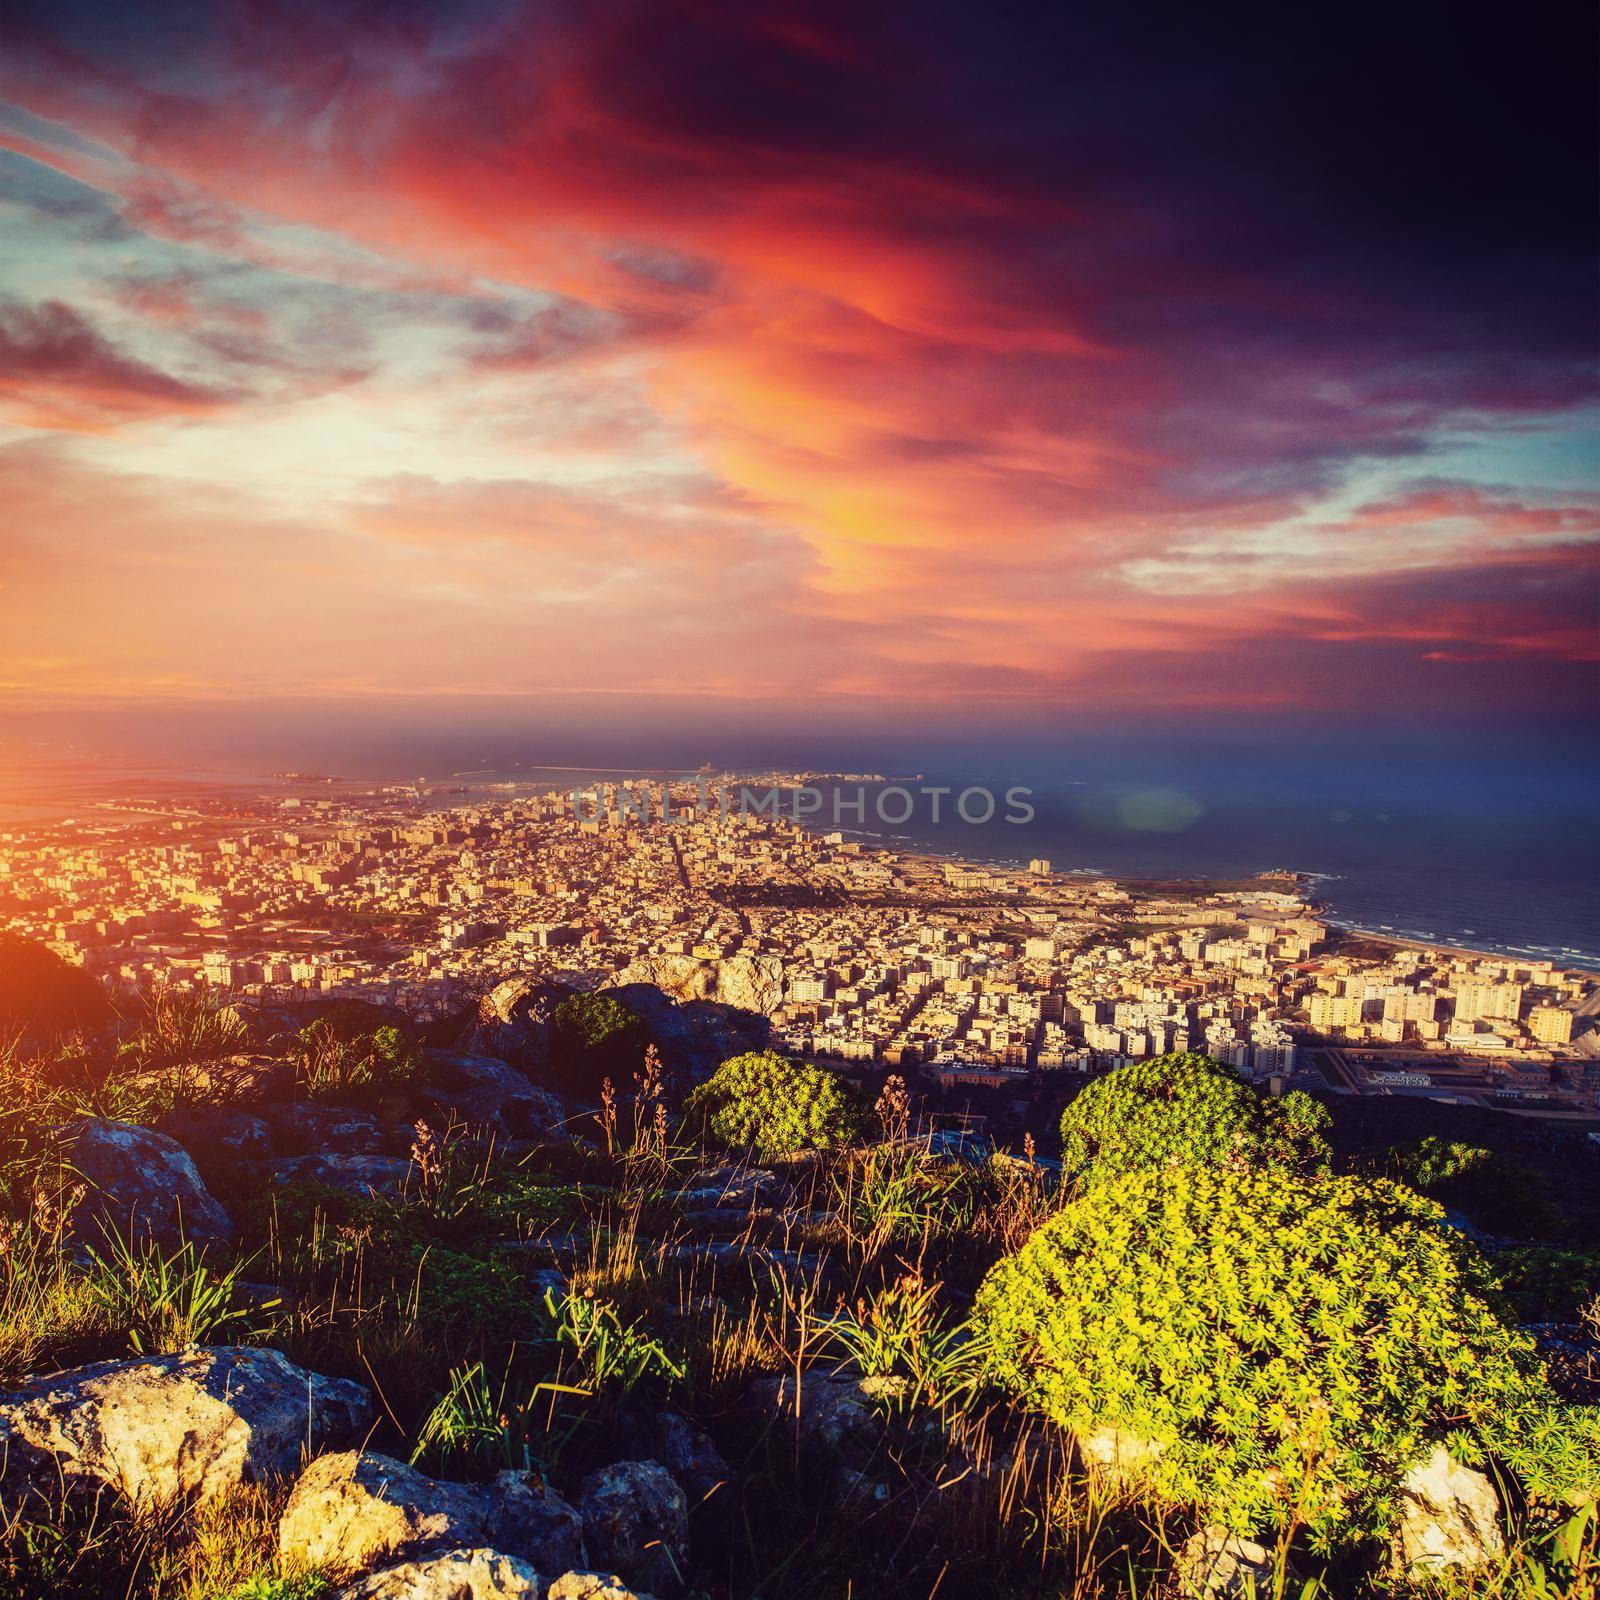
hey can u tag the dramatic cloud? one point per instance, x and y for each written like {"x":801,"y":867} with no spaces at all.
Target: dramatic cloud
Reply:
{"x":925,"y":354}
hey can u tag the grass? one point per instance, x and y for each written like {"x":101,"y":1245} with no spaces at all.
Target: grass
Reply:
{"x":432,"y":1300}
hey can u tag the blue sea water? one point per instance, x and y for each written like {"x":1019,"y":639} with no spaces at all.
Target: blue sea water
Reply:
{"x":1507,"y":866}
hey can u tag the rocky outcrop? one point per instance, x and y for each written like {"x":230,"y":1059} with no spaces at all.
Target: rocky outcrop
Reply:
{"x":462,"y":1574}
{"x":513,"y":1024}
{"x":1215,"y":1564}
{"x":164,"y":1427}
{"x":1449,"y":1518}
{"x":690,"y":1454}
{"x":836,"y":1411}
{"x":218,"y":1137}
{"x":487,"y":1093}
{"x":303,"y":1128}
{"x":382,"y":1176}
{"x":358,"y":1511}
{"x":745,"y":983}
{"x":1117,"y":1452}
{"x":635,"y":1518}
{"x":592,"y":1586}
{"x":142,"y":1184}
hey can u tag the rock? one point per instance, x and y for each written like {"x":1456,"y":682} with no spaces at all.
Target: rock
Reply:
{"x":839,"y":1412}
{"x":635,"y":1517}
{"x":359,"y":1510}
{"x":694,"y":1037}
{"x":690,"y":1454}
{"x":1215,"y":1564}
{"x":592,"y":1586}
{"x":1449,"y":1518}
{"x":218,"y":1137}
{"x":382,"y":1176}
{"x":1116,"y":1451}
{"x":302,"y":1128}
{"x":513,"y":1024}
{"x":141,"y":1183}
{"x":736,"y":1186}
{"x":751,"y":983}
{"x":193,"y":1424}
{"x":462,"y":1574}
{"x":484,"y":1092}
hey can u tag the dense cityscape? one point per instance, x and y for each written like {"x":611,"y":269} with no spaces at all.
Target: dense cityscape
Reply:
{"x":961,"y":975}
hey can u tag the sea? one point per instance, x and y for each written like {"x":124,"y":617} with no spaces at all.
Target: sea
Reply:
{"x":1511,"y":869}
{"x":1493,"y":856}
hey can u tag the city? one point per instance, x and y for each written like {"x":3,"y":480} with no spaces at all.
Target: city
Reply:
{"x":957,"y":975}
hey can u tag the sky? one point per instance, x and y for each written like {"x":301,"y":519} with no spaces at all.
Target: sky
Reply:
{"x":590,"y":366}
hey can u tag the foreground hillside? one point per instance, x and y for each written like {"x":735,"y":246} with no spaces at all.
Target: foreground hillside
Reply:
{"x":593,"y":1299}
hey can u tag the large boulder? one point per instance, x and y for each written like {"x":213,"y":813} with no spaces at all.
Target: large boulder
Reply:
{"x":1449,"y":1518}
{"x":218,"y":1137}
{"x":1215,"y":1564}
{"x":463,"y":1574}
{"x":834,"y":1411}
{"x":141,"y":1183}
{"x":744,"y":983}
{"x":482,"y":1091}
{"x":635,"y":1518}
{"x":751,"y":983}
{"x":513,"y":1023}
{"x":303,"y":1128}
{"x":159,"y":1428}
{"x":592,"y":1586}
{"x":359,"y":1510}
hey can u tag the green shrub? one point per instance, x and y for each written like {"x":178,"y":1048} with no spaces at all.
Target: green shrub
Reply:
{"x":1499,"y":1195}
{"x":775,"y":1106}
{"x":1546,"y":1284}
{"x":594,"y":1037}
{"x":338,"y":1060}
{"x":1186,"y":1110}
{"x":1278,"y":1341}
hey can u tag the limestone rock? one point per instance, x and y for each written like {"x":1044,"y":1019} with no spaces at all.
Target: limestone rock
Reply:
{"x":218,"y":1137}
{"x":634,"y":1512}
{"x":751,"y":983}
{"x":461,"y":1574}
{"x":836,"y":1411}
{"x":485,"y":1092}
{"x":1215,"y":1564}
{"x":1450,"y":1518}
{"x":359,"y":1510}
{"x":1116,"y":1451}
{"x":305,"y":1129}
{"x":513,"y":1024}
{"x":140,"y":1182}
{"x":383,"y":1176}
{"x":690,"y":1454}
{"x":735,"y":1186}
{"x":192,"y":1424}
{"x":592,"y":1586}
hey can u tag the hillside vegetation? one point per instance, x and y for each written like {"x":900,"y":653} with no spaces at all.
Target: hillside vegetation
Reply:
{"x":297,"y":1307}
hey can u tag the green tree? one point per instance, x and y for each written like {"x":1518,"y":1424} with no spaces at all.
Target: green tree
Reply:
{"x":40,"y":993}
{"x":594,"y":1037}
{"x":1287,"y":1348}
{"x":775,"y":1106}
{"x":1186,"y":1110}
